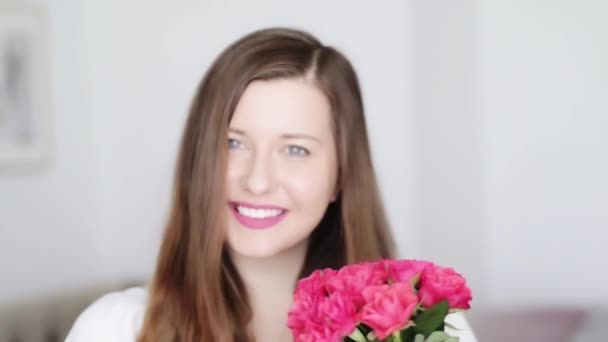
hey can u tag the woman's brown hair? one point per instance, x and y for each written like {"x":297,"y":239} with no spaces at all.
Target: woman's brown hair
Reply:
{"x":196,"y":293}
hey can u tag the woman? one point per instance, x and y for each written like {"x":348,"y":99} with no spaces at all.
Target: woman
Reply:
{"x":274,"y":180}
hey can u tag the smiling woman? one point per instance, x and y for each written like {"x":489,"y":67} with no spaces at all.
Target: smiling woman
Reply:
{"x":274,"y":180}
{"x":283,"y":173}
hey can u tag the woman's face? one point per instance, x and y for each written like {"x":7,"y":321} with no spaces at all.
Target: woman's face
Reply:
{"x":282,"y":166}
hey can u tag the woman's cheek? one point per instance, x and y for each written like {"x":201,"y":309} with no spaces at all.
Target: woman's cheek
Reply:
{"x":309,"y":183}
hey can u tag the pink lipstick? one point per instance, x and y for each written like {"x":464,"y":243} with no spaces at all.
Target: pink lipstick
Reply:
{"x":248,"y":218}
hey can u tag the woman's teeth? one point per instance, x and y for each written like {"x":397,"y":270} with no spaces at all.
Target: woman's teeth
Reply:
{"x":258,"y":213}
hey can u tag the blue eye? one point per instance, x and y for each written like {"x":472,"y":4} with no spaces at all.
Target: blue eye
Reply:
{"x":233,"y":144}
{"x":297,"y":151}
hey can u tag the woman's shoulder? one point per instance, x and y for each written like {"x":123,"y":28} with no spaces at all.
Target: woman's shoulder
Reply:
{"x":116,"y":316}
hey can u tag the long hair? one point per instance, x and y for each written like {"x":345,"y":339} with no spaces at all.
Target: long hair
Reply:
{"x":196,"y":293}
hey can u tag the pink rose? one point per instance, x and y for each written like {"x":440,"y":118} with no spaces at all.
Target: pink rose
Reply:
{"x":314,"y":285}
{"x":405,"y":271}
{"x":304,"y":311}
{"x":388,"y":308}
{"x":304,"y":314}
{"x":352,"y":279}
{"x":318,"y":314}
{"x":340,"y":314}
{"x":324,"y":319}
{"x":323,"y":334}
{"x":439,"y":283}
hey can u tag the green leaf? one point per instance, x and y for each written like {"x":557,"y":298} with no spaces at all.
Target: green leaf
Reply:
{"x":364,"y":328}
{"x":391,"y":338}
{"x":437,"y":336}
{"x":357,"y":336}
{"x":408,"y":334}
{"x":419,"y":338}
{"x":432,"y":319}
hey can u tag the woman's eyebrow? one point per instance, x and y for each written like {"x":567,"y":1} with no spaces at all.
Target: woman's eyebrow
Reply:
{"x":283,"y":136}
{"x":299,"y":136}
{"x":236,"y":131}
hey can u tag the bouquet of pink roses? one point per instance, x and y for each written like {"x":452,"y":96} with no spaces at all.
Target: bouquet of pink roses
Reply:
{"x":388,"y":300}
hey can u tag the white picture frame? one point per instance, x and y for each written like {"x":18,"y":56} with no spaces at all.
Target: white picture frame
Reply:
{"x":25,"y":112}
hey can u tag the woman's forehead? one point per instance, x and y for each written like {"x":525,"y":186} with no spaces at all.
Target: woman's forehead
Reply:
{"x":283,"y":106}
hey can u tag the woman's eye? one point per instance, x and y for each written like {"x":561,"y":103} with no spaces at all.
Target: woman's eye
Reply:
{"x":297,"y":151}
{"x":233,"y":144}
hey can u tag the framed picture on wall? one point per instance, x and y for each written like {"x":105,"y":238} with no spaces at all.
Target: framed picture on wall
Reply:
{"x":25,"y":113}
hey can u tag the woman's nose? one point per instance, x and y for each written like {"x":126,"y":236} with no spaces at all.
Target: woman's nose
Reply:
{"x":258,"y":180}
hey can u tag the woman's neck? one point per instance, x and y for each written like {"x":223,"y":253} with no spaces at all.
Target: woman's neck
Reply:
{"x":270,"y":283}
{"x":278,"y":272}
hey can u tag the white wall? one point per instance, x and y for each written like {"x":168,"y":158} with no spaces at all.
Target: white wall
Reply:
{"x":486,"y":120}
{"x":48,"y":230}
{"x":143,"y":74}
{"x":511,"y":103}
{"x":124,"y":73}
{"x":545,"y":105}
{"x":449,"y":207}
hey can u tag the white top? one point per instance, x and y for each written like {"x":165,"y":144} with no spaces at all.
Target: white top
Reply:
{"x":118,"y":317}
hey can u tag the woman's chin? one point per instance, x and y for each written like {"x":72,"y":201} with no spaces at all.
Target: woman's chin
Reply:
{"x":258,"y":252}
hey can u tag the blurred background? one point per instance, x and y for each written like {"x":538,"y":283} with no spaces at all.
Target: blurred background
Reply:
{"x":488,"y":122}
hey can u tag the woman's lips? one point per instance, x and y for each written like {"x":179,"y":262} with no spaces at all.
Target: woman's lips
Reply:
{"x":267,"y":215}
